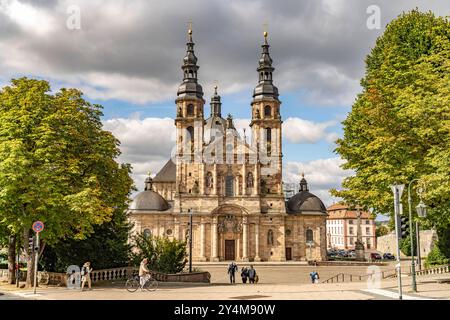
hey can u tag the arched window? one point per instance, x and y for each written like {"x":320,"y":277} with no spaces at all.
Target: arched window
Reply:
{"x":270,"y":237}
{"x":269,"y":141}
{"x":229,"y":186}
{"x":267,"y":111}
{"x":309,"y":235}
{"x":190,"y":110}
{"x":190,"y":139}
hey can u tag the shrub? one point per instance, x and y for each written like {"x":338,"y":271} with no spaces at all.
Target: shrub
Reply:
{"x":436,"y":258}
{"x":164,"y":254}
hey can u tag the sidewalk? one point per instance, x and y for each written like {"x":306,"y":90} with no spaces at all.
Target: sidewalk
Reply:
{"x":337,"y":291}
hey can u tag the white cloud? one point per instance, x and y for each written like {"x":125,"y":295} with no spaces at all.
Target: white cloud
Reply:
{"x":321,"y":174}
{"x":298,"y":130}
{"x":37,"y":21}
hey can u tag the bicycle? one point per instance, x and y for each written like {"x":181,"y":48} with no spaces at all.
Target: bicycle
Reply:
{"x":134,"y":283}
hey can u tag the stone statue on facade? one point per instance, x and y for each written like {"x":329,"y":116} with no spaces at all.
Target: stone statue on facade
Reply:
{"x":209,"y":180}
{"x":249,"y":180}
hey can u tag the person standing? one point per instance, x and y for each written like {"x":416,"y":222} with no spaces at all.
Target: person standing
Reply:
{"x":86,"y":275}
{"x":244,"y":274}
{"x":316,"y":278}
{"x":313,"y":276}
{"x":251,"y":274}
{"x":232,"y":268}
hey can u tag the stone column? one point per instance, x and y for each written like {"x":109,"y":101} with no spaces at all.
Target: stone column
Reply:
{"x":202,"y":178}
{"x":238,"y":247}
{"x":215,"y":179}
{"x":257,"y":257}
{"x":283,"y":242}
{"x":244,"y":239}
{"x":255,"y":180}
{"x":244,"y":179}
{"x":202,"y":241}
{"x":214,"y":243}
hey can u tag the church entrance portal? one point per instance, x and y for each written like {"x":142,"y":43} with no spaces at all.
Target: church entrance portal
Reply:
{"x":230,"y":252}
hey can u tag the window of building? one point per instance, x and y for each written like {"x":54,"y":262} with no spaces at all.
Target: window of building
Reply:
{"x":351,"y":241}
{"x":229,"y":186}
{"x":309,"y":235}
{"x":367,"y":230}
{"x":147,"y":233}
{"x":169,"y":232}
{"x":367,"y":222}
{"x":350,"y":221}
{"x":270,"y":237}
{"x":288,"y":232}
{"x":190,"y":110}
{"x":267,"y":111}
{"x":350,"y":230}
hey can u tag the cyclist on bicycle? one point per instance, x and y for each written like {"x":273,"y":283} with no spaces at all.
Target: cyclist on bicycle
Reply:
{"x":143,"y":272}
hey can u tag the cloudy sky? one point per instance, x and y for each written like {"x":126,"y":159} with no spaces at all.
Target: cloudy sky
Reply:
{"x":126,"y":55}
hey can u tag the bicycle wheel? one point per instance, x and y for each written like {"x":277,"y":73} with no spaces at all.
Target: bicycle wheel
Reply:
{"x":132,"y":285}
{"x":151,"y":285}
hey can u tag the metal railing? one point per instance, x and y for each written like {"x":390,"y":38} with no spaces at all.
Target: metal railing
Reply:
{"x":344,"y":277}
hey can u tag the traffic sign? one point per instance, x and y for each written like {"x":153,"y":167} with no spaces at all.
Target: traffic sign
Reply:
{"x":38,"y":226}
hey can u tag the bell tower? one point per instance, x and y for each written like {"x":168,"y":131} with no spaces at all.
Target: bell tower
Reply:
{"x":189,"y":122}
{"x":266,"y":123}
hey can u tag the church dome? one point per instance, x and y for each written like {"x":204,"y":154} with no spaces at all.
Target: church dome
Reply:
{"x":149,"y":199}
{"x":305,"y":202}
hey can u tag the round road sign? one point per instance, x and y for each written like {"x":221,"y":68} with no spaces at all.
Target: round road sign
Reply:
{"x":38,"y":226}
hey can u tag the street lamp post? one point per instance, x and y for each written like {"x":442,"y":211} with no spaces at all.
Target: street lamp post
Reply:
{"x":413,"y":269}
{"x":359,"y":245}
{"x":421,"y":212}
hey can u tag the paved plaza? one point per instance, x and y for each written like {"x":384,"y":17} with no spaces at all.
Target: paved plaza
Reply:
{"x":282,"y":282}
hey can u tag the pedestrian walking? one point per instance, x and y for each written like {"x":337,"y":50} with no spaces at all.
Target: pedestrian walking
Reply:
{"x":86,"y":275}
{"x":244,"y":274}
{"x":251,"y":274}
{"x":232,"y":268}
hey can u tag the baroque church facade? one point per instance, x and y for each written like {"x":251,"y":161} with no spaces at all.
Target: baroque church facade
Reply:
{"x":232,"y":187}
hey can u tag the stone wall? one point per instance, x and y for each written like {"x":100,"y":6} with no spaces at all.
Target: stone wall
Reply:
{"x":387,"y":243}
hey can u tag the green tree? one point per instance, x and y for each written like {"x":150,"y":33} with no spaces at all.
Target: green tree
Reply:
{"x":57,"y":165}
{"x":164,"y":254}
{"x":399,"y":126}
{"x":106,"y":247}
{"x":381,"y":231}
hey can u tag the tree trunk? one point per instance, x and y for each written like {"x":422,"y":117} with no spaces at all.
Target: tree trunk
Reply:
{"x":12,"y":260}
{"x":29,"y":255}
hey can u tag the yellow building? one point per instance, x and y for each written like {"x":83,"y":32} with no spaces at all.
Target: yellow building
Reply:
{"x":232,"y":187}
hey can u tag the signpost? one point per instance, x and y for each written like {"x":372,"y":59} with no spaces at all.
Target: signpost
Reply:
{"x":398,"y":190}
{"x":38,"y":226}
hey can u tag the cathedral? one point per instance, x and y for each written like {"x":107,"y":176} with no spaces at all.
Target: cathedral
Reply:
{"x":230,"y":185}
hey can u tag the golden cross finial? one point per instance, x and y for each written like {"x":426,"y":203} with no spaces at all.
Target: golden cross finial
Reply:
{"x":149,"y":173}
{"x":190,"y":27}
{"x":215,"y":86}
{"x":303,"y":174}
{"x":265,"y":27}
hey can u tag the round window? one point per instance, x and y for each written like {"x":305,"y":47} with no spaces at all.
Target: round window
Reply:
{"x":169,"y":232}
{"x":288,"y":232}
{"x":147,"y":232}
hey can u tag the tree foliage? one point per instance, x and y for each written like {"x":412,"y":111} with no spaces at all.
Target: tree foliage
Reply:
{"x":399,"y":126}
{"x":164,"y":254}
{"x":106,"y":247}
{"x":57,"y":165}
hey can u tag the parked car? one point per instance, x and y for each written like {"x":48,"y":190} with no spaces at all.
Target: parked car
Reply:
{"x":388,"y":256}
{"x":375,"y":256}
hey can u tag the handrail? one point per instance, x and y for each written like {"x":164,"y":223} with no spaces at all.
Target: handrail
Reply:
{"x":434,"y":270}
{"x":340,"y":277}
